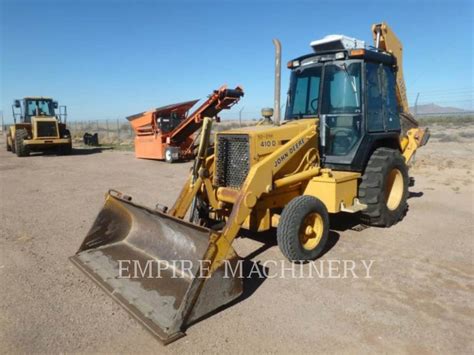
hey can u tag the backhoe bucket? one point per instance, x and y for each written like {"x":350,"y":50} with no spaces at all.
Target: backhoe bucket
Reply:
{"x":153,"y":265}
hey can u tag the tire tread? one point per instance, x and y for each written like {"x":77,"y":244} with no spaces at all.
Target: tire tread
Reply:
{"x":371,"y":188}
{"x":290,"y":223}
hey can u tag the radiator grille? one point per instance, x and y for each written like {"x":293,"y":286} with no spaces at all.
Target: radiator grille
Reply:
{"x":232,"y":164}
{"x":46,"y":129}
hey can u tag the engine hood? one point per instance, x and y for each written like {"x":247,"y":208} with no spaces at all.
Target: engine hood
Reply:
{"x":286,"y":129}
{"x":43,"y":118}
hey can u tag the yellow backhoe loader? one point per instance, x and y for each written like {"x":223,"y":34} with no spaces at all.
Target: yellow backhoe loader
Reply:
{"x":340,"y":148}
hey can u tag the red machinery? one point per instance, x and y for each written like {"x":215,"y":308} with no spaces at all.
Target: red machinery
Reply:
{"x":167,"y":132}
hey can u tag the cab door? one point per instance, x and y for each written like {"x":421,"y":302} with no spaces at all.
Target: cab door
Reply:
{"x":381,"y":107}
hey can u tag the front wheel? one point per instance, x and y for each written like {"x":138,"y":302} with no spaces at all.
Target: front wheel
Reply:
{"x":303,"y":229}
{"x":21,"y":149}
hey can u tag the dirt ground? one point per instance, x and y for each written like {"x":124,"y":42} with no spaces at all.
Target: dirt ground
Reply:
{"x":419,"y":298}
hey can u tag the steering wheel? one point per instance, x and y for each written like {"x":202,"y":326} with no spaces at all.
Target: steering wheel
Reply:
{"x":311,"y":104}
{"x":343,"y":140}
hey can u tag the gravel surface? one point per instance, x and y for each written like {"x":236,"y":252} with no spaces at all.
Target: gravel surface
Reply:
{"x":418,"y":299}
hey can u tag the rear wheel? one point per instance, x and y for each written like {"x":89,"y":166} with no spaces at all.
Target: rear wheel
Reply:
{"x":384,"y":188}
{"x":21,"y":149}
{"x":303,"y":229}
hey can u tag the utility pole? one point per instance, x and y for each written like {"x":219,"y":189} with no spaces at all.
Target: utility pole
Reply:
{"x":240,"y":116}
{"x":416,"y":104}
{"x":118,"y":130}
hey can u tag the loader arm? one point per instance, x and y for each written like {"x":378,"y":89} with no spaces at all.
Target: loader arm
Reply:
{"x":195,"y":180}
{"x":260,"y":180}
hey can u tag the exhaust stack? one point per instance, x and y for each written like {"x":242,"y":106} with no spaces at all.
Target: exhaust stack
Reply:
{"x":276,"y":103}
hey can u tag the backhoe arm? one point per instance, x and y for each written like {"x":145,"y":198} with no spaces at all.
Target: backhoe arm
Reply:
{"x":415,"y":138}
{"x":386,"y":40}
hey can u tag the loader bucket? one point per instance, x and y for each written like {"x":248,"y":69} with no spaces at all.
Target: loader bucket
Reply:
{"x":152,"y":265}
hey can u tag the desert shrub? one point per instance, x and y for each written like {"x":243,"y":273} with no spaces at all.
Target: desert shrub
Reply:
{"x":452,"y":137}
{"x":446,"y":120}
{"x":467,"y":134}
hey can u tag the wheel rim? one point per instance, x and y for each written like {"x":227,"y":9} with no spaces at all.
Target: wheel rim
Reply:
{"x":394,"y":189}
{"x":168,"y":155}
{"x":311,"y":231}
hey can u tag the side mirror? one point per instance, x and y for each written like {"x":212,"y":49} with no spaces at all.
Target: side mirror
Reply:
{"x":17,"y":104}
{"x":55,"y":104}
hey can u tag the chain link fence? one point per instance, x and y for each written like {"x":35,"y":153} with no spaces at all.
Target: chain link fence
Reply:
{"x":109,"y":131}
{"x":118,"y":131}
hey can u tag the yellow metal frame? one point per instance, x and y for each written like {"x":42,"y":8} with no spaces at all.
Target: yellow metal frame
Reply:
{"x":334,"y":188}
{"x":285,"y":164}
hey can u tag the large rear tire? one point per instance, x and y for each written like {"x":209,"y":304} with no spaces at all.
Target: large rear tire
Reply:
{"x":21,"y":149}
{"x":303,"y":229}
{"x":384,"y":188}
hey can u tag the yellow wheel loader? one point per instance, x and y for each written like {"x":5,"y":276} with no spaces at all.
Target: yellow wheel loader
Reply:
{"x":340,"y":148}
{"x":39,"y":128}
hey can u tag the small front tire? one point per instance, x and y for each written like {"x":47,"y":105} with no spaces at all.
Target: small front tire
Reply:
{"x":303,"y":229}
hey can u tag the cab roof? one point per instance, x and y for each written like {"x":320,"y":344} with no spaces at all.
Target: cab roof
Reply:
{"x":37,"y":98}
{"x":330,"y":55}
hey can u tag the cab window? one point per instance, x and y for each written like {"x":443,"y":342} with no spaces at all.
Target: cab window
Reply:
{"x":374,"y":98}
{"x":391,"y":106}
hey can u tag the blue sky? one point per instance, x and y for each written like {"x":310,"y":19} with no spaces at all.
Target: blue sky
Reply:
{"x":112,"y":58}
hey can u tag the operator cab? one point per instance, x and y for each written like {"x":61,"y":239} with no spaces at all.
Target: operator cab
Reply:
{"x":34,"y":107}
{"x":351,"y":88}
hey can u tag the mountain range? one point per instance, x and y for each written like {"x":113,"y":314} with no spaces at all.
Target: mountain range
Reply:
{"x":435,"y":109}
